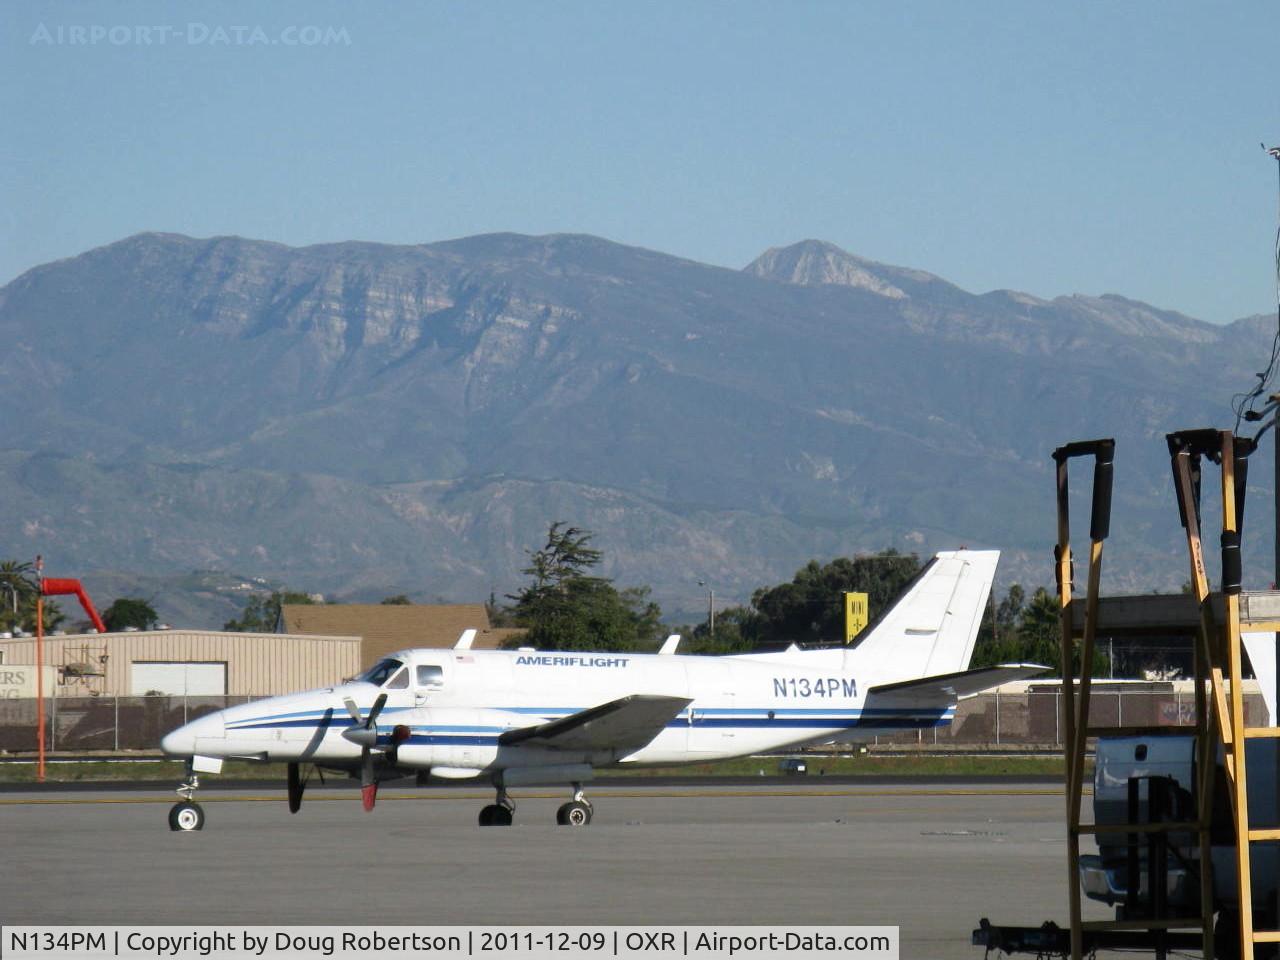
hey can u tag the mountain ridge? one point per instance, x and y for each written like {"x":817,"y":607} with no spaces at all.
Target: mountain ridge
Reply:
{"x":756,"y":421}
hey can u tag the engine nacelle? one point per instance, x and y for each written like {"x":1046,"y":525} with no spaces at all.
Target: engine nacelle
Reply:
{"x":458,"y":737}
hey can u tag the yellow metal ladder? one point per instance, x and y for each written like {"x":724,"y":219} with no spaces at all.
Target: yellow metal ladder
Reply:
{"x":1220,"y":640}
{"x":1075,"y":714}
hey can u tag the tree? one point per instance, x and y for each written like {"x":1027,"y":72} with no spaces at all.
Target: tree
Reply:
{"x":18,"y":592}
{"x":737,"y":630}
{"x":399,"y":600}
{"x":262,"y":613}
{"x":565,"y":607}
{"x":129,"y":612}
{"x":998,"y":633}
{"x":53,"y":616}
{"x":1010,"y":608}
{"x":499,"y":615}
{"x":1040,"y":631}
{"x":1028,"y":632}
{"x":810,"y":608}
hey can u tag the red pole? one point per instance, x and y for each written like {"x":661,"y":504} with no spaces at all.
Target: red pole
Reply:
{"x":40,"y":673}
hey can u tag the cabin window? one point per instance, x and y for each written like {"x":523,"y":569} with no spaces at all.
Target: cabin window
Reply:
{"x":400,"y":681}
{"x":430,"y":675}
{"x":378,"y":674}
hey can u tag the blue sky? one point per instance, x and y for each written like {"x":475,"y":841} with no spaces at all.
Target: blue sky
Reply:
{"x":1047,"y":147}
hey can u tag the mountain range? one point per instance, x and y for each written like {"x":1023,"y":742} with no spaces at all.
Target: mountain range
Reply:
{"x":363,"y":419}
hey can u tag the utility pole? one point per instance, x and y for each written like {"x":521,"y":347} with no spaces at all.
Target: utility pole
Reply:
{"x":1274,"y":402}
{"x":711,"y":610}
{"x":40,"y":668}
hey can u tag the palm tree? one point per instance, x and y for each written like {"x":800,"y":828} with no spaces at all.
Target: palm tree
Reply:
{"x":17,"y":588}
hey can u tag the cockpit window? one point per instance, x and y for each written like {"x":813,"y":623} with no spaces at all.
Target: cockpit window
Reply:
{"x":378,"y":674}
{"x":430,"y":675}
{"x":400,"y":681}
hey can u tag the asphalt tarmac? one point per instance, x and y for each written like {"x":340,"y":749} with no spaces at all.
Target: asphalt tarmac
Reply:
{"x":931,"y":859}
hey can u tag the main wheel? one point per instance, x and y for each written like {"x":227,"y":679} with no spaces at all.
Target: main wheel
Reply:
{"x":575,"y":813}
{"x":495,"y":816}
{"x":186,"y":816}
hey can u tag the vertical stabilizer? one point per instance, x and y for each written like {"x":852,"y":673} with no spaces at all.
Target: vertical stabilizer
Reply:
{"x":931,"y":630}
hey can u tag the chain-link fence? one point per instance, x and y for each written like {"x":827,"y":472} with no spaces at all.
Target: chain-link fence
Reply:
{"x":102,"y":723}
{"x":1033,"y":717}
{"x":1025,"y":718}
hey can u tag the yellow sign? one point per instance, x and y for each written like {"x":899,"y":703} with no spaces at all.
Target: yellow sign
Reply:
{"x":856,"y":615}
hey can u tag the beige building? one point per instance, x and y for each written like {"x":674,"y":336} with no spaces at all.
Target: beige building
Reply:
{"x":388,"y":627}
{"x":190,"y":662}
{"x":320,"y":644}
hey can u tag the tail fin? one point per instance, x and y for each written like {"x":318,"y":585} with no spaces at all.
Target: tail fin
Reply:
{"x":931,"y":630}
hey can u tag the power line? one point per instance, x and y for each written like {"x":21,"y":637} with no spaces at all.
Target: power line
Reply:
{"x":1243,"y":403}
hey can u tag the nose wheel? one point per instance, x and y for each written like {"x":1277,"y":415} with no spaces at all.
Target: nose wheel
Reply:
{"x":499,"y":813}
{"x":187,"y":815}
{"x":577,"y":812}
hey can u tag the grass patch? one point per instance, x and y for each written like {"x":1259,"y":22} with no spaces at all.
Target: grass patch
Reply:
{"x":924,"y":766}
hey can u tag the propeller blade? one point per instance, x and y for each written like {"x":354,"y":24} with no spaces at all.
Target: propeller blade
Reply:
{"x":365,"y":733}
{"x":352,"y":709}
{"x":368,"y":785}
{"x":295,"y":788}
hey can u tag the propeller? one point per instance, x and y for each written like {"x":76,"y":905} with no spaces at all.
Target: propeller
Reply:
{"x":364,"y":731}
{"x":296,"y":786}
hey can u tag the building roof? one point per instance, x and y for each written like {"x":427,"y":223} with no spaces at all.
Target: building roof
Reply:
{"x":388,"y":627}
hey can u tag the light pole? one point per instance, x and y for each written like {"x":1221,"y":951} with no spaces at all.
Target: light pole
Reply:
{"x":711,"y":610}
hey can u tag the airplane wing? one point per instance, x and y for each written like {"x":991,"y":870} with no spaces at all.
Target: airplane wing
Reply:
{"x":953,"y":686}
{"x":625,"y":725}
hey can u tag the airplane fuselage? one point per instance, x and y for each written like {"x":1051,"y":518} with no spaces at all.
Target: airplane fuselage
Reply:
{"x":447,"y":709}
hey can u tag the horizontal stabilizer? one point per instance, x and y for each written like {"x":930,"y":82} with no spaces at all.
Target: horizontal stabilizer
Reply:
{"x":952,"y":686}
{"x":624,"y":725}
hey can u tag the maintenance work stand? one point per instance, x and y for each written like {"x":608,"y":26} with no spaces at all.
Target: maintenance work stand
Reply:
{"x":1163,"y":829}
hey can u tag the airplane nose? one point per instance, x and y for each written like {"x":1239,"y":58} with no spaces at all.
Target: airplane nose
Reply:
{"x":182,"y":742}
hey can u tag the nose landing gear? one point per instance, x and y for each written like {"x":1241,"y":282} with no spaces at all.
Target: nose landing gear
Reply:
{"x":187,"y":815}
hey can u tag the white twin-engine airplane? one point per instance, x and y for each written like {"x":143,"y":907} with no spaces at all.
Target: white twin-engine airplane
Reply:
{"x":520,"y":718}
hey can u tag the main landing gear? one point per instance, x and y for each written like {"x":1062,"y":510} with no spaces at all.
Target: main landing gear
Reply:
{"x":500,"y":813}
{"x":187,"y":815}
{"x":575,"y":813}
